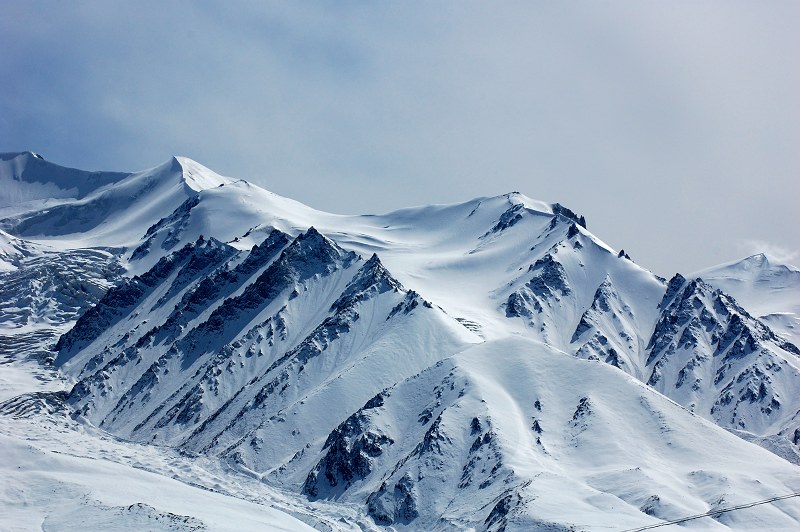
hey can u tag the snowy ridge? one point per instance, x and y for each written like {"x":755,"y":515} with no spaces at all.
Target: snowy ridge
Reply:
{"x":488,"y":365}
{"x":27,"y":180}
{"x":721,"y":362}
{"x":507,"y":446}
{"x":769,"y":290}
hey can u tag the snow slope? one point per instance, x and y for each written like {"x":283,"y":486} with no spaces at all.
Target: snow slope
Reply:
{"x":507,"y":437}
{"x":102,"y":209}
{"x":489,"y":364}
{"x":57,"y":474}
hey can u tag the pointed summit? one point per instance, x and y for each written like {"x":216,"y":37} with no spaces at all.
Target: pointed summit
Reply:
{"x":197,"y":176}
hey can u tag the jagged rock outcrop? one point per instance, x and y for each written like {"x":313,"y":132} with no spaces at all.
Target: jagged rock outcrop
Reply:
{"x":190,"y":262}
{"x":568,"y":213}
{"x":349,"y":451}
{"x":548,"y":283}
{"x":710,"y":355}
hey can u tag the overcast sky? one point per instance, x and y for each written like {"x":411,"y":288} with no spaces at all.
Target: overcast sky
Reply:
{"x":674,"y":127}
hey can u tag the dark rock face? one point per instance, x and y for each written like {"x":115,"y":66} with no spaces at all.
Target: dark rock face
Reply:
{"x":611,"y":339}
{"x":706,"y":343}
{"x":559,"y":209}
{"x":398,"y":505}
{"x":174,"y":226}
{"x":573,"y":231}
{"x":508,"y":219}
{"x":121,"y":300}
{"x":498,"y":517}
{"x":518,"y":306}
{"x":550,"y":278}
{"x":411,"y":301}
{"x":371,"y":280}
{"x":309,"y":255}
{"x":218,"y":285}
{"x":484,"y":461}
{"x":351,"y":448}
{"x":541,"y":294}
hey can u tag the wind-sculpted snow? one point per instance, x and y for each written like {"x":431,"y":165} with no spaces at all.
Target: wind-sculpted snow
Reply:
{"x":489,"y":365}
{"x":27,"y":177}
{"x":173,"y":227}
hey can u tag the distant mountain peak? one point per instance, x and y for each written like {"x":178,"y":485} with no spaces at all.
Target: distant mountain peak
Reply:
{"x":27,"y":177}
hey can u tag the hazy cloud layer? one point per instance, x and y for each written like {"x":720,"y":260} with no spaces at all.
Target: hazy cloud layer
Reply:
{"x":674,"y":128}
{"x":773,"y":251}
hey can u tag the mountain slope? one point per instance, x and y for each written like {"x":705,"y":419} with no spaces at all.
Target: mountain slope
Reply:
{"x":767,"y":288}
{"x":489,"y":364}
{"x":297,"y":324}
{"x":507,"y":438}
{"x":721,"y":362}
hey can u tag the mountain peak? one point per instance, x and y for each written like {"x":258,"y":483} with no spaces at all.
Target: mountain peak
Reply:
{"x":759,"y":260}
{"x":27,"y":176}
{"x":764,"y":261}
{"x":197,"y":176}
{"x":7,"y":156}
{"x":752,"y":264}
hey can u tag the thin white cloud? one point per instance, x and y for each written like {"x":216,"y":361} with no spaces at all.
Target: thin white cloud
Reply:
{"x":770,"y":249}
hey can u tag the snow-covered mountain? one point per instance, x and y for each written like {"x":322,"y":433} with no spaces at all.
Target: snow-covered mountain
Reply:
{"x":766,"y":287}
{"x":489,"y":364}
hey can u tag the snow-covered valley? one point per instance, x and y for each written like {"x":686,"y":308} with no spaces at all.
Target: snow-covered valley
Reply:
{"x":186,"y":351}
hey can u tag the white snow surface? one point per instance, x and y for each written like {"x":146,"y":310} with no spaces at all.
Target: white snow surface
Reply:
{"x":57,"y":474}
{"x":766,"y":287}
{"x":463,"y":378}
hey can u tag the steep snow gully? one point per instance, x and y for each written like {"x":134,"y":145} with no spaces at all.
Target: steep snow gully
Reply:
{"x":186,"y":351}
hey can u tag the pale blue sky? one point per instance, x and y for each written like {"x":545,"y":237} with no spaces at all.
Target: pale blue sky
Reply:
{"x":674,"y":127}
